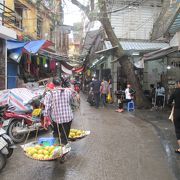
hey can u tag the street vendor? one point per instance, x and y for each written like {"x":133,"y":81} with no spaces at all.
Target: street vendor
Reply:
{"x":58,"y":107}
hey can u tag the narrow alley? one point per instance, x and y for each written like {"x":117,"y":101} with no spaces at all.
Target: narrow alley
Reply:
{"x":120,"y":147}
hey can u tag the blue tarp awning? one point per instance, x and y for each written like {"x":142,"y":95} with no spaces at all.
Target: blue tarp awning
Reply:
{"x":31,"y":47}
{"x":12,"y":44}
{"x":17,"y":47}
{"x":34,"y":46}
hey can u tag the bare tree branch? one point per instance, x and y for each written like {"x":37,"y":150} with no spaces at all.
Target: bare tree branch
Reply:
{"x":81,"y":6}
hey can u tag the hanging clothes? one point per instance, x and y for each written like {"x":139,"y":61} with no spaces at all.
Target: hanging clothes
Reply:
{"x":38,"y":60}
{"x":28,"y":58}
{"x":53,"y":65}
{"x":44,"y":61}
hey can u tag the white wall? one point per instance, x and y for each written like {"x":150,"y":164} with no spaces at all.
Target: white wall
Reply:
{"x":175,"y":41}
{"x":135,"y":22}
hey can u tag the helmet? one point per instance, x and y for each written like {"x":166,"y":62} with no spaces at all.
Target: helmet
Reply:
{"x":50,"y":85}
{"x":57,"y":81}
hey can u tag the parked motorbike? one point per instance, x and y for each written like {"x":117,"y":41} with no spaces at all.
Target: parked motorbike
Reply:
{"x":17,"y":125}
{"x":91,"y":99}
{"x":6,"y":148}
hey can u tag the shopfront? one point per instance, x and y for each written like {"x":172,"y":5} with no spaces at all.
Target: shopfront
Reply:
{"x":5,"y":34}
{"x":2,"y":64}
{"x":163,"y":66}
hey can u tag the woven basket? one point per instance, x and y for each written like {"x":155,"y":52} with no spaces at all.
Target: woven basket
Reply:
{"x":80,"y":137}
{"x":50,"y":159}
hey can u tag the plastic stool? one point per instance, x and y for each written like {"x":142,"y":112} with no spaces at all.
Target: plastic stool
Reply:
{"x":130,"y":106}
{"x":46,"y":141}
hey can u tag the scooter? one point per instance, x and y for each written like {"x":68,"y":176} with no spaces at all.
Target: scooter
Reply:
{"x":18,"y":125}
{"x":6,"y":148}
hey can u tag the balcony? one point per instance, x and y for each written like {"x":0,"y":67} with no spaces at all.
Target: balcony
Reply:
{"x":10,"y":18}
{"x":7,"y":16}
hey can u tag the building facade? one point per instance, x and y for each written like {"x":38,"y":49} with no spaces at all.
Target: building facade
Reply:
{"x":5,"y":34}
{"x":132,"y":22}
{"x":134,"y":19}
{"x":32,"y":21}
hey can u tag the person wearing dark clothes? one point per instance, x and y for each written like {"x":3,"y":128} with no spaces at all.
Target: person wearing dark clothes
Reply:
{"x":175,"y":97}
{"x":96,"y":85}
{"x":160,"y":94}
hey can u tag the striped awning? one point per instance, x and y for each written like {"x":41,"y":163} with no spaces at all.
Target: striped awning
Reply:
{"x":17,"y":98}
{"x":160,"y":53}
{"x":138,"y":45}
{"x":131,"y":46}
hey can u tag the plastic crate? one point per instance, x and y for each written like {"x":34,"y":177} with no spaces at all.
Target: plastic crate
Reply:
{"x":47,"y":141}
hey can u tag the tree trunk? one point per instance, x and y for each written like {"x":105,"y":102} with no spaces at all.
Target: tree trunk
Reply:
{"x":126,"y":64}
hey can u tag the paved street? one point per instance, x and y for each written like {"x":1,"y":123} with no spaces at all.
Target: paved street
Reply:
{"x":120,"y":147}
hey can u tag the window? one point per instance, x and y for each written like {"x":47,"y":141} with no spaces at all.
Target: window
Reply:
{"x":18,"y":17}
{"x":39,"y":27}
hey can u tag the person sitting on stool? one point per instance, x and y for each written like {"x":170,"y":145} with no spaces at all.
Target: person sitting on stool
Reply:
{"x":129,"y":95}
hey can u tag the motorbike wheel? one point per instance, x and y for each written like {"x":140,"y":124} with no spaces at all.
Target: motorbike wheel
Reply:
{"x":17,"y":138}
{"x":2,"y":161}
{"x":10,"y":152}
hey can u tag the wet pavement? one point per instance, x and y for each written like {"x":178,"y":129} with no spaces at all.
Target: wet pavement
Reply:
{"x":165,"y":131}
{"x":120,"y":147}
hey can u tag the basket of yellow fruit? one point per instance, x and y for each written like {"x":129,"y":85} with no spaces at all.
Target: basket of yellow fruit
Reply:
{"x":77,"y":134}
{"x":43,"y":152}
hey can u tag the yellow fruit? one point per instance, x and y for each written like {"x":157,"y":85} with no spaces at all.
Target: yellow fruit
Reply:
{"x":50,"y":156}
{"x":35,"y":156}
{"x":72,"y":134}
{"x":40,"y":151}
{"x":38,"y":147}
{"x":78,"y":134}
{"x":51,"y":148}
{"x":32,"y":151}
{"x":46,"y":157}
{"x":45,"y":152}
{"x":47,"y":148}
{"x":40,"y":156}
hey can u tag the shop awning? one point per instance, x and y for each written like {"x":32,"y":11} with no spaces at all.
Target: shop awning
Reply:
{"x":78,"y":70}
{"x":65,"y":70}
{"x":66,"y":65}
{"x":34,"y":46}
{"x":52,"y":55}
{"x":31,"y":46}
{"x":106,"y":50}
{"x":15,"y":49}
{"x":15,"y":54}
{"x":134,"y":46}
{"x":12,"y":44}
{"x":160,"y":53}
